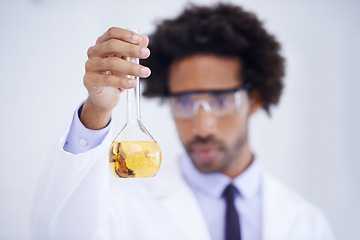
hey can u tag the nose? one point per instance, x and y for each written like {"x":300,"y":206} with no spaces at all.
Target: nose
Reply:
{"x":204,"y":123}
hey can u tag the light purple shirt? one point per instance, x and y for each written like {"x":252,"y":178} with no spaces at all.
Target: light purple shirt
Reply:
{"x":208,"y":188}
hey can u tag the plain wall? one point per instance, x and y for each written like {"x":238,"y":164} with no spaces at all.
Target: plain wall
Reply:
{"x":310,"y":142}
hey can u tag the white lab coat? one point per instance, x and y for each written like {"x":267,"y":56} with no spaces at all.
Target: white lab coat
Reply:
{"x":78,"y":198}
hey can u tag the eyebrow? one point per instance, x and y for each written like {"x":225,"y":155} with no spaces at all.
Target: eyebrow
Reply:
{"x":216,"y":91}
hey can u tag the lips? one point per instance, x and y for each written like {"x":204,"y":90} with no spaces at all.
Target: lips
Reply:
{"x":204,"y":154}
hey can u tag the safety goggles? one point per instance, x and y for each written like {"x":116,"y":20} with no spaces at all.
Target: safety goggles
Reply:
{"x":185,"y":105}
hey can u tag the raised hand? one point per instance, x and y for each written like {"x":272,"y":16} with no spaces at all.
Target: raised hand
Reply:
{"x":106,"y":71}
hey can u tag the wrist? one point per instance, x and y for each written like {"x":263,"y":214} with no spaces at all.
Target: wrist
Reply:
{"x":94,"y":117}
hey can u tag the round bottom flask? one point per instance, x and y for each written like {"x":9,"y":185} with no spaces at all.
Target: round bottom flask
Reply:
{"x":134,"y":158}
{"x":134,"y":153}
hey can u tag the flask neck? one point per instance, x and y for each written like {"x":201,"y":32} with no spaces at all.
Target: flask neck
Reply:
{"x":133,"y":104}
{"x":133,"y":98}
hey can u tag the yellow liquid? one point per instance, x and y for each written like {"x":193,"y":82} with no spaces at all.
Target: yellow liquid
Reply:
{"x":134,"y":159}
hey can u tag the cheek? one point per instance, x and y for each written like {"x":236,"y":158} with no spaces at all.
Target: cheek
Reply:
{"x":184,"y":130}
{"x":231,"y":127}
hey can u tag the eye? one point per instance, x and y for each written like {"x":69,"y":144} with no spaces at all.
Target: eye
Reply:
{"x":222,"y":100}
{"x":183,"y":102}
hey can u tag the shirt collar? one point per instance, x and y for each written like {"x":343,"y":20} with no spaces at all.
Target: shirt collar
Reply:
{"x":248,"y":182}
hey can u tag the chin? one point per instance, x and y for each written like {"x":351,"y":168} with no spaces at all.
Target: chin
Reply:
{"x":208,"y":167}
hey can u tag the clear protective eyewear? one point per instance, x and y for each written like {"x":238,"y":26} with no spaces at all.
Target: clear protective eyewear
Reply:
{"x":185,"y":105}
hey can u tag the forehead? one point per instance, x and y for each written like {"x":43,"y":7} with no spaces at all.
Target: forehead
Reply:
{"x":204,"y":72}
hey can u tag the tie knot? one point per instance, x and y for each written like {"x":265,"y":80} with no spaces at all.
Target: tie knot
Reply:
{"x":230,"y":192}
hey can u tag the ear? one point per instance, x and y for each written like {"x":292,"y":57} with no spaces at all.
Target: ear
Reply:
{"x":255,"y":101}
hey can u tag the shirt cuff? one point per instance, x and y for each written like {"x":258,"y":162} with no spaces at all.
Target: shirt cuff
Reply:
{"x":81,"y":139}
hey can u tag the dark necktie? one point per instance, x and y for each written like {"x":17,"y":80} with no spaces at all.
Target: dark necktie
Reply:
{"x":232,"y":224}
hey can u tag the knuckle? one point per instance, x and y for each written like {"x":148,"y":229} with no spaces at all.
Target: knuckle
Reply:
{"x":88,"y":65}
{"x":87,"y":80}
{"x":91,"y":51}
{"x":111,"y":32}
{"x":111,"y":63}
{"x":111,"y":45}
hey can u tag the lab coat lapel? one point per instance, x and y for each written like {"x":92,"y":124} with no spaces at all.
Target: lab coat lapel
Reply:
{"x":185,"y":210}
{"x":181,"y":203}
{"x":278,"y":215}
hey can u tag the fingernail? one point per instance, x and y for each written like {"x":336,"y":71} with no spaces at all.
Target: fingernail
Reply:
{"x":145,"y":71}
{"x":144,"y":52}
{"x":132,"y":82}
{"x":135,"y":38}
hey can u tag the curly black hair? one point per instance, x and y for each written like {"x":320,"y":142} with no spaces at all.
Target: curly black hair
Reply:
{"x":223,"y":30}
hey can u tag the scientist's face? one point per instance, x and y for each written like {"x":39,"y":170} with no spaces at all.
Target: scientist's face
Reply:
{"x":216,"y":141}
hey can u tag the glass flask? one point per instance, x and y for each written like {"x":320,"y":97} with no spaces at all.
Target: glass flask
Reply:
{"x":134,"y":153}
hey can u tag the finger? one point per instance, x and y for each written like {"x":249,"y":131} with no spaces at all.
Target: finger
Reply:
{"x":144,"y":41}
{"x":117,"y":66}
{"x":121,"y":34}
{"x":95,"y":80}
{"x":115,"y":47}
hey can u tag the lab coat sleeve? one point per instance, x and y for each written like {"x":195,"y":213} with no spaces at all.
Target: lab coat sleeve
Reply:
{"x":70,"y":195}
{"x":81,"y":139}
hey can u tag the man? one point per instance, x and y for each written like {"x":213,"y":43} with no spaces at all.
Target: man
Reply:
{"x":217,"y":66}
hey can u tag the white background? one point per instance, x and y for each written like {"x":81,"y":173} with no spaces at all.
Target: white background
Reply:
{"x":311,"y":142}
